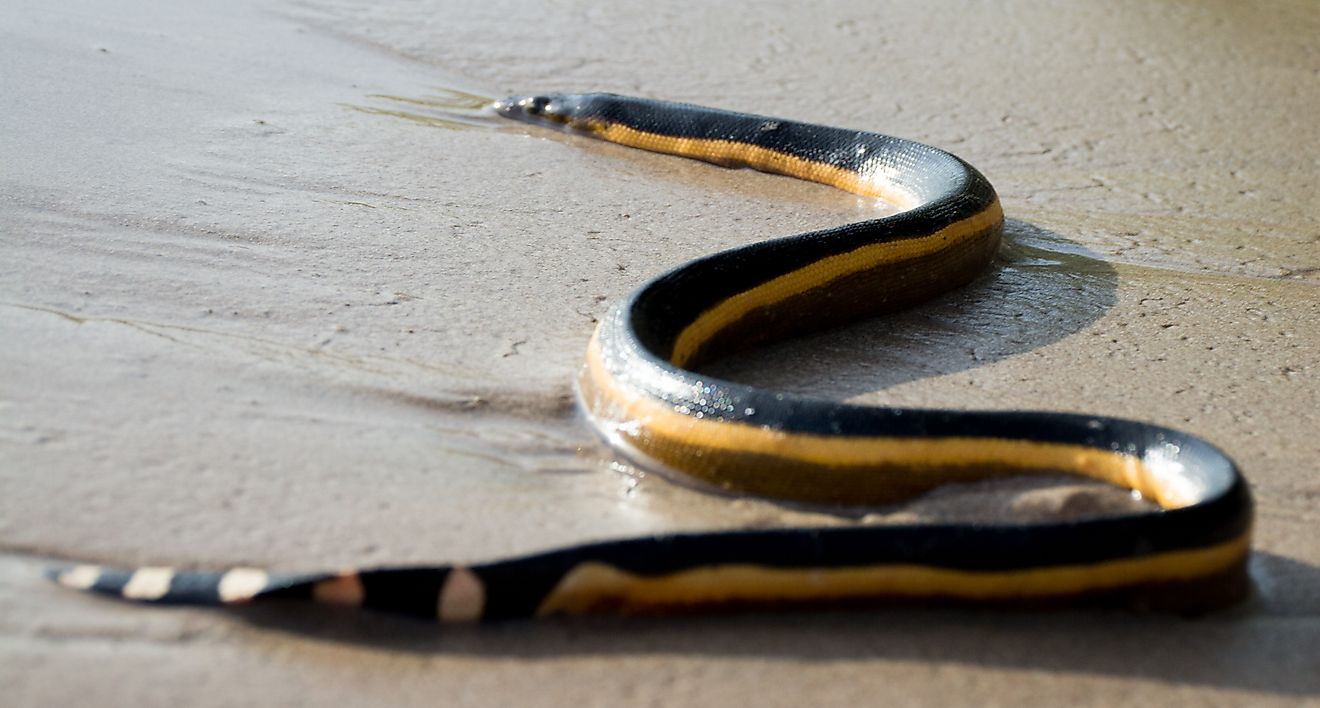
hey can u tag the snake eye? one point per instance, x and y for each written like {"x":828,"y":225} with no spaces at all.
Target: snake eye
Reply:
{"x":535,"y":105}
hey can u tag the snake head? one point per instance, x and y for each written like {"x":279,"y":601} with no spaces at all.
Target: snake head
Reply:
{"x":551,"y":110}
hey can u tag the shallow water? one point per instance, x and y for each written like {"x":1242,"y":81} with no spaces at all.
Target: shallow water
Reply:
{"x":330,"y":242}
{"x":264,"y":303}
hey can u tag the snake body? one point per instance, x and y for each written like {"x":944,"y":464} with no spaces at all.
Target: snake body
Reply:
{"x":642,"y":390}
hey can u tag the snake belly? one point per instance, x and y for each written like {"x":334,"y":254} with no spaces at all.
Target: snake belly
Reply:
{"x":642,"y":389}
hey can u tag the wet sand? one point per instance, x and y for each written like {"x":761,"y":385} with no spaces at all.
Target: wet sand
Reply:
{"x":276,"y":294}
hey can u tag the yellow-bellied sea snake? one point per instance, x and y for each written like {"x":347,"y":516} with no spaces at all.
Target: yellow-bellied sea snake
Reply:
{"x":641,"y":388}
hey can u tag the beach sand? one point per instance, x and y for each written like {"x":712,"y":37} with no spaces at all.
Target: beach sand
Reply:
{"x":276,"y":292}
